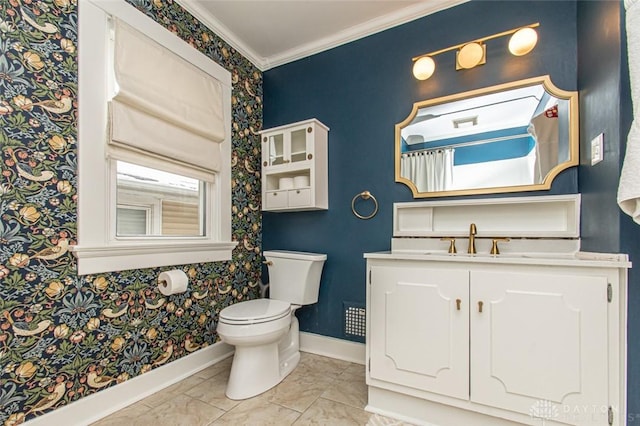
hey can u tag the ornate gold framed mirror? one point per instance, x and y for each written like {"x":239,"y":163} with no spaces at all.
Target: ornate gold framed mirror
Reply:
{"x":507,"y":138}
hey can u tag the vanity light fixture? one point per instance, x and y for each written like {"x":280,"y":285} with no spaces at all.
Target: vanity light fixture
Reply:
{"x":474,"y":53}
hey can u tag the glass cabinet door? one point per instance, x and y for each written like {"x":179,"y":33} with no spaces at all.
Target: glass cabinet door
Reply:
{"x":275,"y":148}
{"x":299,"y":145}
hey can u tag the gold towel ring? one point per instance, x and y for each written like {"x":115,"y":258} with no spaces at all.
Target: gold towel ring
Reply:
{"x":365,"y":195}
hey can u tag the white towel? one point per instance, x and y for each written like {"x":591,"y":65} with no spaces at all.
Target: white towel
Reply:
{"x":629,"y":186}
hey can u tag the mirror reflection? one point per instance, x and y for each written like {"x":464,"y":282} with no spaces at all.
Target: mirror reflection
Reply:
{"x":513,"y":137}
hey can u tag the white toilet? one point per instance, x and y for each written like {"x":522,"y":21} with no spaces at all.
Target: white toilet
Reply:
{"x":265,"y":332}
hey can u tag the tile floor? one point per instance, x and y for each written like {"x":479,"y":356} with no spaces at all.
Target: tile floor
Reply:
{"x":320,"y":391}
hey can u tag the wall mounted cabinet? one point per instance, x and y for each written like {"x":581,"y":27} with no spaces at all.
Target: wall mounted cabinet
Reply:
{"x":294,"y":167}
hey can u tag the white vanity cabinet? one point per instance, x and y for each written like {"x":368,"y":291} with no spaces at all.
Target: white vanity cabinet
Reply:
{"x":463,"y":340}
{"x":294,"y":167}
{"x":404,"y":304}
{"x":541,"y":336}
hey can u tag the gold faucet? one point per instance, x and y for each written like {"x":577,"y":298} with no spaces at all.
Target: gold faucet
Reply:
{"x":494,"y":247}
{"x":452,"y":245}
{"x":472,"y":239}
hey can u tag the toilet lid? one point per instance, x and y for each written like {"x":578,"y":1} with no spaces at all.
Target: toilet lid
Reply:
{"x":255,"y":311}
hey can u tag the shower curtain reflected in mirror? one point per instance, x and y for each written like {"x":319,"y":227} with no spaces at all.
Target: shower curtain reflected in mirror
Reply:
{"x":430,"y":170}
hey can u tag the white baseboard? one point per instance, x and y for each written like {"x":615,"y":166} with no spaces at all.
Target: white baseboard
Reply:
{"x":100,"y":404}
{"x":332,"y":347}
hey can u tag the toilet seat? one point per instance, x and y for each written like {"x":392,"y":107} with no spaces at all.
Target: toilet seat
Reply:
{"x":255,"y":312}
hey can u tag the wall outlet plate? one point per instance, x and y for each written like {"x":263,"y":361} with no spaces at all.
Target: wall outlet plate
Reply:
{"x":597,"y":149}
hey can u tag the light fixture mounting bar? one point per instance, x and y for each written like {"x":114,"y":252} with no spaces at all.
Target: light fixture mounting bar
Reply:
{"x":478,"y":40}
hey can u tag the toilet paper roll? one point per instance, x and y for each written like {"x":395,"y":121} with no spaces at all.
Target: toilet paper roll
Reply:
{"x":285,"y":183}
{"x":301,"y":181}
{"x":172,"y":282}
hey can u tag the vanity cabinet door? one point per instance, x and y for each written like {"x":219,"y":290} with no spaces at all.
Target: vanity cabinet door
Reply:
{"x":419,"y":329}
{"x":539,"y":346}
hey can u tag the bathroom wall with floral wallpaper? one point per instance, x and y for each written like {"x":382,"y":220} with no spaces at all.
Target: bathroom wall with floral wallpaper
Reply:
{"x":64,"y":336}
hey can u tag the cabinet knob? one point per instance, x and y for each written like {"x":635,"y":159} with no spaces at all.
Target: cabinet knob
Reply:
{"x":458,"y":302}
{"x":309,"y":129}
{"x":265,"y":164}
{"x":264,"y":139}
{"x":480,"y":304}
{"x":275,"y":194}
{"x":309,"y":157}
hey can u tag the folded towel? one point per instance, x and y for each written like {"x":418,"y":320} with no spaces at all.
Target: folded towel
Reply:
{"x":629,"y":186}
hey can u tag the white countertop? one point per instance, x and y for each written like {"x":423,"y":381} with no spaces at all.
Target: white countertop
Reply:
{"x":583,"y":259}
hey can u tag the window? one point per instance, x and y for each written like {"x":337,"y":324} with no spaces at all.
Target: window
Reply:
{"x":154,"y":149}
{"x":133,"y":220}
{"x":175,"y":204}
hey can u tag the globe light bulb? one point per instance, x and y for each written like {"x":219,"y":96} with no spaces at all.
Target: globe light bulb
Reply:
{"x":470,"y":55}
{"x":523,"y":41}
{"x":424,"y":68}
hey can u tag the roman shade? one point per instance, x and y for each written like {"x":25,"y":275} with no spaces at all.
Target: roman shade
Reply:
{"x":166,"y":112}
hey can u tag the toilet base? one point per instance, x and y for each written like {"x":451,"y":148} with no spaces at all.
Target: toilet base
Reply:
{"x":256,"y":369}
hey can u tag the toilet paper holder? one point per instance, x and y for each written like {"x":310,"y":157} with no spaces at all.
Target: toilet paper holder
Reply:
{"x":172,"y":282}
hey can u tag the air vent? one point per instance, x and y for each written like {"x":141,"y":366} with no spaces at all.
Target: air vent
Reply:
{"x":355,"y":321}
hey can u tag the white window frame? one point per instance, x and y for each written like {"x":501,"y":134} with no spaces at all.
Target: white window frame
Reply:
{"x":98,"y":249}
{"x":149,"y":217}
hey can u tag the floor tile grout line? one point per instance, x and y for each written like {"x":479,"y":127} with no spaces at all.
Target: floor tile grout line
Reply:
{"x":340,"y":372}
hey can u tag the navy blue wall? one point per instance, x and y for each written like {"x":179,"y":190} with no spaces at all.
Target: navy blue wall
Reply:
{"x":630,"y":243}
{"x":361,"y":90}
{"x":605,"y":106}
{"x":599,"y":80}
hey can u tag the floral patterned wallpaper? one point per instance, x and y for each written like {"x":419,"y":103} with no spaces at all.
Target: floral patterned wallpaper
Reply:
{"x":64,"y":336}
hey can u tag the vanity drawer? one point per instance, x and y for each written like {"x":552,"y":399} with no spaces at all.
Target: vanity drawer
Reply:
{"x":299,"y":197}
{"x":276,"y":199}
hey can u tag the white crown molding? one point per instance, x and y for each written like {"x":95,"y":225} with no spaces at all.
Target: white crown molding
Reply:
{"x":223,"y":32}
{"x":365,"y":29}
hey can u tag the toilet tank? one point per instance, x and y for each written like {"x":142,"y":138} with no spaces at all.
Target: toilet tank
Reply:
{"x":294,"y":276}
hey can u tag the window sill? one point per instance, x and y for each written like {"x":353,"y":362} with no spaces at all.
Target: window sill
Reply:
{"x":93,"y":260}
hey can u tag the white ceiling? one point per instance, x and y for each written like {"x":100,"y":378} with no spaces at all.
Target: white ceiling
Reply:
{"x":271,"y":33}
{"x":496,"y":111}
